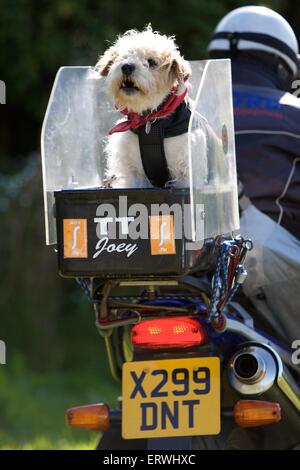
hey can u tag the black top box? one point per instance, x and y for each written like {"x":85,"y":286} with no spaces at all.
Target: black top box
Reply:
{"x":137,"y":233}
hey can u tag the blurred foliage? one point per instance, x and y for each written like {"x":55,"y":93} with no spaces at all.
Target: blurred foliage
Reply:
{"x":43,"y":315}
{"x":55,"y":358}
{"x":32,"y":405}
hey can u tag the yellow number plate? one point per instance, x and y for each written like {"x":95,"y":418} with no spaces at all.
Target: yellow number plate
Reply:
{"x":176,"y":397}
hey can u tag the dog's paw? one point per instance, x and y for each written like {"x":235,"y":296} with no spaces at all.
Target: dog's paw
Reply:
{"x":131,"y":182}
{"x":178,"y":183}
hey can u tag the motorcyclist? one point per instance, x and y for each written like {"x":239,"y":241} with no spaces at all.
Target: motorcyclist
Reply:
{"x":263,"y":49}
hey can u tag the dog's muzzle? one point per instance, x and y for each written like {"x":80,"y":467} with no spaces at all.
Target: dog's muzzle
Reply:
{"x":128,"y":85}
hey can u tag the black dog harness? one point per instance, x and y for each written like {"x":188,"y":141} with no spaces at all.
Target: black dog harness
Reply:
{"x":151,"y":141}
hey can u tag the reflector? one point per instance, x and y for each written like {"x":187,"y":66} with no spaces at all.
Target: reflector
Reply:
{"x":252,"y":413}
{"x":93,"y":417}
{"x":167,"y":333}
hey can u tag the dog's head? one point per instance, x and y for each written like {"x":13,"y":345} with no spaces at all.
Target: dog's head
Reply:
{"x":141,"y":68}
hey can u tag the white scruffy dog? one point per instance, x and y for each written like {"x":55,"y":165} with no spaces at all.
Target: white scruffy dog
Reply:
{"x":142,"y":71}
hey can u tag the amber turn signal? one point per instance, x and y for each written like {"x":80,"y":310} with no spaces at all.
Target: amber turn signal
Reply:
{"x":92,"y":417}
{"x":252,"y":413}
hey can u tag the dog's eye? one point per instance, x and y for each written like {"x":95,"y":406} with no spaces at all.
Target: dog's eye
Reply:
{"x":152,"y":63}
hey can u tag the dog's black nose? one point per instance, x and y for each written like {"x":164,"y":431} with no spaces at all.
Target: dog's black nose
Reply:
{"x":127,"y":69}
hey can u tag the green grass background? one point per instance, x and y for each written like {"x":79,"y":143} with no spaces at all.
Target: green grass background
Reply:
{"x":33,"y":404}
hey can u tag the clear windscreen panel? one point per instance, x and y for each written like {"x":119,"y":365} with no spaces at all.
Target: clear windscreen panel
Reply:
{"x":212,"y":165}
{"x":79,"y":116}
{"x":75,"y":127}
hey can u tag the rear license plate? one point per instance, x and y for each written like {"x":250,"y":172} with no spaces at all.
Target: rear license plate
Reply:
{"x":173,"y":397}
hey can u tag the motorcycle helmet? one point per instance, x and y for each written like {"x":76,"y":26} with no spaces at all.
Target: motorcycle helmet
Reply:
{"x":256,"y":28}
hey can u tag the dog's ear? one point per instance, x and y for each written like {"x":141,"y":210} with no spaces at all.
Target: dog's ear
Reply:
{"x":181,"y":69}
{"x":106,"y":60}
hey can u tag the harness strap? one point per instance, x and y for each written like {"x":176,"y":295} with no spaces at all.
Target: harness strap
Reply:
{"x":153,"y":154}
{"x":151,"y":141}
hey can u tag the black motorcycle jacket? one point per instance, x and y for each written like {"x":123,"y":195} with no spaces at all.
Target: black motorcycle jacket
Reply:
{"x":267,"y":129}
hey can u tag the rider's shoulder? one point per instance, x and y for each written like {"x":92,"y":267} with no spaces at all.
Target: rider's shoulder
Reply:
{"x":266,"y":95}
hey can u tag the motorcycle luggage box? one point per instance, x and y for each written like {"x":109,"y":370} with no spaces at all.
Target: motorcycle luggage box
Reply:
{"x":115,"y":233}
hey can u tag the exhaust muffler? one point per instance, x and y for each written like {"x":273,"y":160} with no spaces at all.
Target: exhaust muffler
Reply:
{"x":252,"y":370}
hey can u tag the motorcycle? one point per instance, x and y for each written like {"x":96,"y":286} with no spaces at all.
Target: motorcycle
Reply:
{"x":162,"y":268}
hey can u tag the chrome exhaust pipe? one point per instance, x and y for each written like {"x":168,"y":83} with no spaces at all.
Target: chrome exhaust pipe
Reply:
{"x":252,"y":370}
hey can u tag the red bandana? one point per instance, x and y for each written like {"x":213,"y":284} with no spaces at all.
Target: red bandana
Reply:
{"x":136,"y":120}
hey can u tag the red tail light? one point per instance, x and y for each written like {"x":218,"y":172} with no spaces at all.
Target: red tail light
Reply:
{"x":168,"y":333}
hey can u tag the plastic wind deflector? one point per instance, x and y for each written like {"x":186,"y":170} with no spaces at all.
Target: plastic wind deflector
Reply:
{"x":79,"y":116}
{"x":212,"y":165}
{"x":76,"y":123}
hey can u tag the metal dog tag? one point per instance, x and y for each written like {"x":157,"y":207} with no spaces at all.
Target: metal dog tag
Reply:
{"x":148,"y":127}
